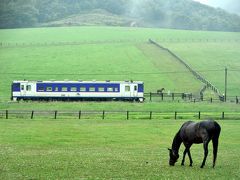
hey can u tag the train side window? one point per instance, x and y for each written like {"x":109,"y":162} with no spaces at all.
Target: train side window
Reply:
{"x":82,"y":89}
{"x":92,"y":89}
{"x":64,"y":89}
{"x":73,"y":89}
{"x":22,"y":87}
{"x":116,"y":89}
{"x":49,"y":89}
{"x":127,"y":88}
{"x":109,"y":89}
{"x":29,"y":88}
{"x":101,"y":89}
{"x":56,"y":89}
{"x":41,"y":88}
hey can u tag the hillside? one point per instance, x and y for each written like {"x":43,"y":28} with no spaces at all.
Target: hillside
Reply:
{"x":177,"y":14}
{"x":93,"y":18}
{"x":103,"y":53}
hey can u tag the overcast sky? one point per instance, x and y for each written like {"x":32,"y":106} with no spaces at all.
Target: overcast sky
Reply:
{"x":229,"y":5}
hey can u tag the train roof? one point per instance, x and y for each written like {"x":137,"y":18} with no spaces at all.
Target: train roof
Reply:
{"x":79,"y":81}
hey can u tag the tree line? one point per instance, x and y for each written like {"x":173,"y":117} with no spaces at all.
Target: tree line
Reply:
{"x":179,"y":14}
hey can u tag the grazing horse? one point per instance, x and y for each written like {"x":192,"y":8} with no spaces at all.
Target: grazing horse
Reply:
{"x":195,"y":133}
{"x":159,"y":91}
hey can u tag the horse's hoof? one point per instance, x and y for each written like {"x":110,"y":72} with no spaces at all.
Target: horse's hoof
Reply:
{"x":201,"y":167}
{"x":190,"y":165}
{"x":182,"y":164}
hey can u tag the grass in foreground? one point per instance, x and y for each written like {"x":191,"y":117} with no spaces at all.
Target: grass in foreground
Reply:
{"x":92,"y":149}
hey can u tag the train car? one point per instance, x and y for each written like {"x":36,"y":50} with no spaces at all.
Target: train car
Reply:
{"x":78,"y":90}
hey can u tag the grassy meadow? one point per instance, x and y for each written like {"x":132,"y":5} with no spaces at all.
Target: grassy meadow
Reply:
{"x":93,"y":149}
{"x":106,"y":53}
{"x":114,"y":148}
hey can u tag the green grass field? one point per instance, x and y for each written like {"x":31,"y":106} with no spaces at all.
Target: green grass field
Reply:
{"x":114,"y":148}
{"x":104,"y":53}
{"x":94,"y":149}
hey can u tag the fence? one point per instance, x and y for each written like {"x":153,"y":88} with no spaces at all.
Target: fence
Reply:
{"x":31,"y":114}
{"x":171,"y":40}
{"x":196,"y":74}
{"x":70,"y":43}
{"x":168,"y":96}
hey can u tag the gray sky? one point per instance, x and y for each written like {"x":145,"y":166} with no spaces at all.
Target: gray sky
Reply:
{"x":232,"y":6}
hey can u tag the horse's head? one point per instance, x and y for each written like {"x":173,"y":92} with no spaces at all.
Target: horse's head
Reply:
{"x":173,"y":157}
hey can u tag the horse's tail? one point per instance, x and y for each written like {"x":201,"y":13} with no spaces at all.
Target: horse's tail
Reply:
{"x":215,"y":141}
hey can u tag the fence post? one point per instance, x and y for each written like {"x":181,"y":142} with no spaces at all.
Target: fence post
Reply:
{"x":79,"y":114}
{"x":150,"y":97}
{"x":32,"y":114}
{"x":103,"y":115}
{"x":55,"y":115}
{"x":127,"y":115}
{"x":150,"y":114}
{"x":175,"y":115}
{"x":162,"y":96}
{"x":211,"y":100}
{"x":223,"y":115}
{"x":173,"y":96}
{"x":199,"y":115}
{"x":236,"y":100}
{"x":6,"y":114}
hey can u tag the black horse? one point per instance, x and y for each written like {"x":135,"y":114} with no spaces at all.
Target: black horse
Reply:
{"x":195,"y":133}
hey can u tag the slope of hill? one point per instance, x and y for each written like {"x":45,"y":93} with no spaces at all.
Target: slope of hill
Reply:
{"x":95,"y":17}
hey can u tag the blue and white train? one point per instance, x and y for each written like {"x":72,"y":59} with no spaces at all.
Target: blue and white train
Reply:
{"x":78,"y":90}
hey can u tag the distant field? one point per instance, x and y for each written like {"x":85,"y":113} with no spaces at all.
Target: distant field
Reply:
{"x":106,"y":53}
{"x":106,"y":149}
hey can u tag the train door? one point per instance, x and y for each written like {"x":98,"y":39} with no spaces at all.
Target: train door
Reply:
{"x":23,"y":89}
{"x":135,"y":90}
{"x":127,"y":90}
{"x":130,"y":90}
{"x":26,"y":89}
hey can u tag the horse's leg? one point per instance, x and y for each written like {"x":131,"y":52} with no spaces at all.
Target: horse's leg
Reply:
{"x":215,"y":149}
{"x":205,"y":146}
{"x":184,"y":154}
{"x":190,"y":158}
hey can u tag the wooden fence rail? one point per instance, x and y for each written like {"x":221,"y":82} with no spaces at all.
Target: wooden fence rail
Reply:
{"x":31,"y":114}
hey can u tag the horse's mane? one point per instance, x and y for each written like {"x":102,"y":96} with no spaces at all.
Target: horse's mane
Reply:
{"x":176,"y":142}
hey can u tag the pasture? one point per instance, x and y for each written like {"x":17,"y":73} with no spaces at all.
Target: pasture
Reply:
{"x":92,"y":148}
{"x":95,"y":149}
{"x":107,"y":53}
